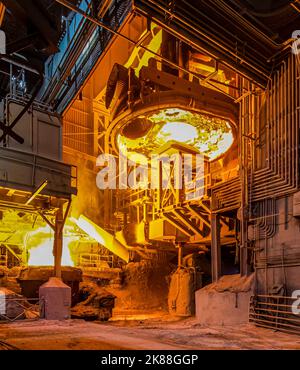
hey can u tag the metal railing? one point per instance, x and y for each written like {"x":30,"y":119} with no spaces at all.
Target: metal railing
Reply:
{"x":95,"y":262}
{"x":23,"y":161}
{"x":19,"y":308}
{"x":274,"y":312}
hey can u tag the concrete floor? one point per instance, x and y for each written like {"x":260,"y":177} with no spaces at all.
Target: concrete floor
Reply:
{"x":156,"y":334}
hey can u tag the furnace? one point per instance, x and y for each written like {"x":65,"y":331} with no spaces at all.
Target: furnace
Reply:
{"x":149,"y":160}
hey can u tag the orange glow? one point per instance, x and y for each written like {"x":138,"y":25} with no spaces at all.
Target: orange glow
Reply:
{"x":212,"y":136}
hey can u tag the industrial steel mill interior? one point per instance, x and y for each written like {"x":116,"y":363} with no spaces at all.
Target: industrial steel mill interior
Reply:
{"x":149,"y":162}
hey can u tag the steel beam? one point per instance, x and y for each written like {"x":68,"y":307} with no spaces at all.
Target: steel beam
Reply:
{"x":187,"y":223}
{"x":215,"y":247}
{"x":58,"y":242}
{"x":177,"y":225}
{"x":198,"y":215}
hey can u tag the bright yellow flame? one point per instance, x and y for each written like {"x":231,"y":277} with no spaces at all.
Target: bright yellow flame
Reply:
{"x":223,"y":145}
{"x":212,"y":136}
{"x":39,"y":244}
{"x":178,"y":131}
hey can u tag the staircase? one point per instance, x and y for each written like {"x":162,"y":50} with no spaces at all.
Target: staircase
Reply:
{"x":191,"y":219}
{"x":3,"y":259}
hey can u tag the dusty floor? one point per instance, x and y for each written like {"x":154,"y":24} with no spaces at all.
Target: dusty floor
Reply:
{"x":150,"y":334}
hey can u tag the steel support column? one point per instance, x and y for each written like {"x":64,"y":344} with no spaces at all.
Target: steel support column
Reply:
{"x":179,"y":247}
{"x":215,"y":246}
{"x":58,"y":242}
{"x":60,"y":220}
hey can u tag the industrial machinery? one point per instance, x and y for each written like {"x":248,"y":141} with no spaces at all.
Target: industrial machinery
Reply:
{"x":169,"y":95}
{"x":185,"y":136}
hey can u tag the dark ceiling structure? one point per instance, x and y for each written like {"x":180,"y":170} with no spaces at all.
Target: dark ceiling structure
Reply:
{"x":33,"y":29}
{"x":244,"y":34}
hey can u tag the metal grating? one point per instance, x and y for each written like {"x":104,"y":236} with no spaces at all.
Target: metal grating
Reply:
{"x":274,"y":312}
